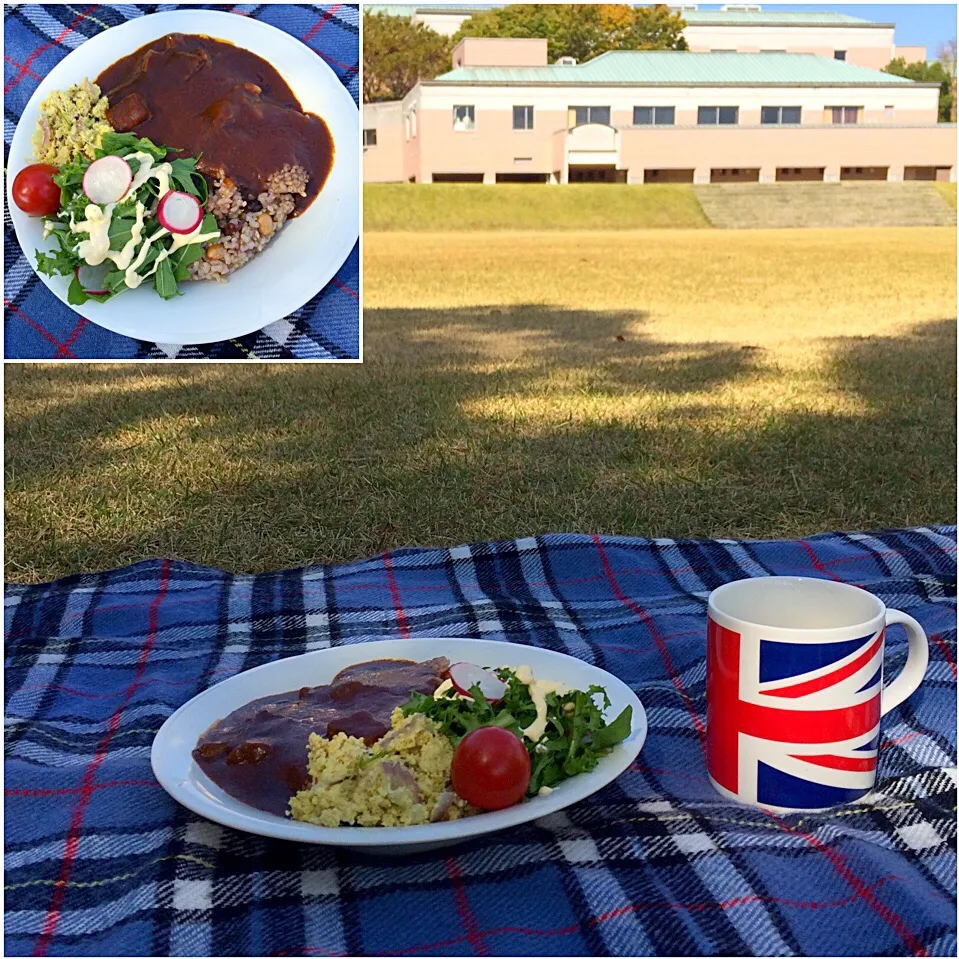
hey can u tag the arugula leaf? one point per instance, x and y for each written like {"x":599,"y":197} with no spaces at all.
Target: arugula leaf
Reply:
{"x":616,"y":731}
{"x":186,"y":177}
{"x":59,"y":262}
{"x":76,"y":295}
{"x":164,"y":280}
{"x":121,"y":231}
{"x":120,"y":144}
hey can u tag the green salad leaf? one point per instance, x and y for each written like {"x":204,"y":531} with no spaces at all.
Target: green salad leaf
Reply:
{"x":576,"y":736}
{"x":66,"y":260}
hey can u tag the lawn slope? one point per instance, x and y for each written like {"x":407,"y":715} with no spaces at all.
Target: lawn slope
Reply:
{"x":510,"y":206}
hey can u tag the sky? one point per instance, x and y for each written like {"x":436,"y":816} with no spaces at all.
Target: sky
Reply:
{"x":926,"y":24}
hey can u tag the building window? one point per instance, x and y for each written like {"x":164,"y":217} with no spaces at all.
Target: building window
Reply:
{"x":781,"y":115}
{"x":839,"y":55}
{"x":845,"y":115}
{"x":580,"y":115}
{"x":464,"y":118}
{"x":413,"y":124}
{"x":722,"y":115}
{"x":890,"y":113}
{"x":658,"y":116}
{"x":522,"y":118}
{"x":369,"y":138}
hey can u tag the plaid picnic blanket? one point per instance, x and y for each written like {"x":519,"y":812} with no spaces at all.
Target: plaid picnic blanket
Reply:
{"x":36,"y":324}
{"x":101,"y":861}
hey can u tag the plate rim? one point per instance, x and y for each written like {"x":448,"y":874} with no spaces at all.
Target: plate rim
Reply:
{"x":367,"y":836}
{"x":118,"y":324}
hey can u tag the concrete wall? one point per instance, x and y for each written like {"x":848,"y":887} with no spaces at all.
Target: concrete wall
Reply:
{"x":446,"y":22}
{"x":383,"y":163}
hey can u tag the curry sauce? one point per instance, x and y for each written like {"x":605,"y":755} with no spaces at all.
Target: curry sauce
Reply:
{"x":258,"y":753}
{"x":210,"y":99}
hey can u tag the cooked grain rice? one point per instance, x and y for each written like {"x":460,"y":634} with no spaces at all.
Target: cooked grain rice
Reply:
{"x":242,"y":237}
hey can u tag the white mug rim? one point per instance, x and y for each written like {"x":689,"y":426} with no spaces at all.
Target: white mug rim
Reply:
{"x":800,"y":634}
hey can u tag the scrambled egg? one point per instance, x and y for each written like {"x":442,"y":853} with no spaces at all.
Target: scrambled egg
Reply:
{"x":401,"y":780}
{"x":72,"y":123}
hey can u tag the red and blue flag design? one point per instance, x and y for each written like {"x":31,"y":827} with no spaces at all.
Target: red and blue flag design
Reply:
{"x":793,"y":725}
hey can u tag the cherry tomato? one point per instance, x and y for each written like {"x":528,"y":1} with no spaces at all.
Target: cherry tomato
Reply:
{"x":34,"y":190}
{"x":490,"y":768}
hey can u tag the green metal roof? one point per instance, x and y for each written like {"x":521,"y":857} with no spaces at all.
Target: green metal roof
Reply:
{"x":675,"y":68}
{"x":773,"y":17}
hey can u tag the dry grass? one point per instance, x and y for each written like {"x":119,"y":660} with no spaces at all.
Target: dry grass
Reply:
{"x":687,"y":383}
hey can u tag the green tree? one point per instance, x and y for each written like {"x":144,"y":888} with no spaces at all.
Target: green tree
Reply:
{"x":582,"y":30}
{"x":926,"y":73}
{"x":398,"y":54}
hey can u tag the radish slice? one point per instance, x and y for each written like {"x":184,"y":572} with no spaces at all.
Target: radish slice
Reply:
{"x":179,"y":212}
{"x":466,"y":675}
{"x":76,"y":273}
{"x":107,"y":179}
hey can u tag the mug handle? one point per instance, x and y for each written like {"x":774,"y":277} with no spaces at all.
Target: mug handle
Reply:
{"x":906,"y":683}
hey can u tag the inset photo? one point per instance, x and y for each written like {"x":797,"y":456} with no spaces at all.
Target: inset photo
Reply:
{"x":182,"y":184}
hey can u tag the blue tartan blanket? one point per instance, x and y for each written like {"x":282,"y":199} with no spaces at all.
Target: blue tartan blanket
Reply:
{"x":36,"y":324}
{"x":101,"y":861}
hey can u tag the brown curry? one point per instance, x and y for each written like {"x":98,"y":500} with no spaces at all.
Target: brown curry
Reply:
{"x":227,"y":106}
{"x":257,"y":754}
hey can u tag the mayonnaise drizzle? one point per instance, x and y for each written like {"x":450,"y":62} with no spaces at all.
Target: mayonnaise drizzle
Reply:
{"x":133,"y":279}
{"x":538,"y":690}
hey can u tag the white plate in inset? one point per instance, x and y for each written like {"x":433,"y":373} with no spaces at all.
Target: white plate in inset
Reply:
{"x":182,"y":778}
{"x":293,"y":268}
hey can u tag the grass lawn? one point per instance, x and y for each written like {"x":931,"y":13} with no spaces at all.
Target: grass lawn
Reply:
{"x":948,"y":191}
{"x":667,"y":383}
{"x":514,"y":206}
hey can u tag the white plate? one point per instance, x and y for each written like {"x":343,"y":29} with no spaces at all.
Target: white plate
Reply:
{"x":294,"y":267}
{"x":183,"y":779}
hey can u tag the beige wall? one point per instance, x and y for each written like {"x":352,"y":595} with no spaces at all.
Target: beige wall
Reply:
{"x":493,"y":147}
{"x":911,"y":54}
{"x":771,"y":147}
{"x":865,"y":46}
{"x":487,"y":52}
{"x":383,"y":163}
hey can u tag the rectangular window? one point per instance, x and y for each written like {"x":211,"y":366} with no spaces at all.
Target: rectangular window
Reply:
{"x":781,"y":115}
{"x":522,"y":118}
{"x":839,"y":55}
{"x":845,"y":115}
{"x":660,"y":116}
{"x":369,"y":138}
{"x":580,"y":115}
{"x":890,"y":113}
{"x":710,"y":116}
{"x":464,"y":118}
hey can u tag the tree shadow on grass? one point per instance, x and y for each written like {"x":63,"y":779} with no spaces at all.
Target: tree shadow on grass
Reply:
{"x":461,"y":426}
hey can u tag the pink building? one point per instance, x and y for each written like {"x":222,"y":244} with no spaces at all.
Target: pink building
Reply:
{"x":503,"y":114}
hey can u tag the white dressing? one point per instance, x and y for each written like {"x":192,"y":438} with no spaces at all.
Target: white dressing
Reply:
{"x":441,"y":691}
{"x":538,"y":690}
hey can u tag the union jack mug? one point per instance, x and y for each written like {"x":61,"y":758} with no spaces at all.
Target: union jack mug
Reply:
{"x":794,"y":690}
